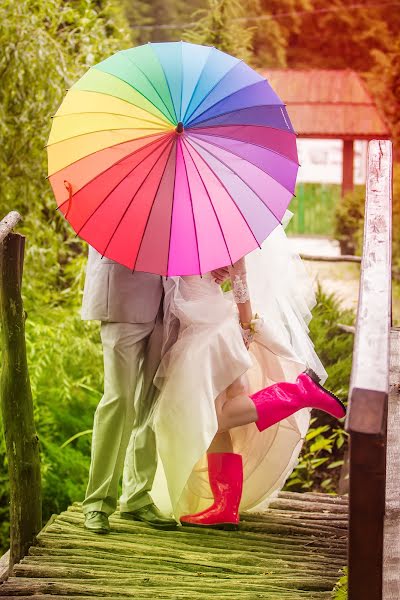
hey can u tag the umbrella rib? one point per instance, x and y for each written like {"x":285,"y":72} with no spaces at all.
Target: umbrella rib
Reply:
{"x":180,"y":106}
{"x":245,"y":182}
{"x":152,"y":85}
{"x":212,"y":205}
{"x":105,"y":170}
{"x":132,"y":199}
{"x":169,"y":89}
{"x":73,"y":137}
{"x":172,"y":214}
{"x":194,"y":128}
{"x":213,"y":88}
{"x":249,"y":161}
{"x":197,"y":83}
{"x":101,"y":112}
{"x":228,"y":137}
{"x":236,"y":110}
{"x":194,"y":220}
{"x":151,"y":209}
{"x":102,"y":150}
{"x":161,"y":116}
{"x":230,"y":96}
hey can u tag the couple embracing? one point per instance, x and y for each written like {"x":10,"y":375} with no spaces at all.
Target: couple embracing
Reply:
{"x":207,"y":394}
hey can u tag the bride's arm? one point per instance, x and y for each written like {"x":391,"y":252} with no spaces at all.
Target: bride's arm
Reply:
{"x":241,"y":295}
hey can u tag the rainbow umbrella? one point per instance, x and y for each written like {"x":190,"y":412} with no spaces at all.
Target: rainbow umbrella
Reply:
{"x":172,"y":158}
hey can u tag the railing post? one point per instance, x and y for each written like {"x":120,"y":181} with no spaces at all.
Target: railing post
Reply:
{"x":367,"y":415}
{"x":22,"y":443}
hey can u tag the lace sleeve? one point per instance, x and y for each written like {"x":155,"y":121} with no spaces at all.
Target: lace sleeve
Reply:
{"x":239,"y":282}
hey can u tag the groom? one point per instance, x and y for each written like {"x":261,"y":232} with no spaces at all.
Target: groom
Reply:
{"x":129,"y":307}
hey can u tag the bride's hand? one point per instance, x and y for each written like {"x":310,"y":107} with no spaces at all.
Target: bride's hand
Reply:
{"x":247,"y":335}
{"x":220,"y":275}
{"x":250,"y":329}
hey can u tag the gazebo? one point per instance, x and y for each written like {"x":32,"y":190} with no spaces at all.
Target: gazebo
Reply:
{"x":330,"y":104}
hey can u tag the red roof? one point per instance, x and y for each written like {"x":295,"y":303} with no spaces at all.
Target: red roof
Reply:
{"x":328,"y":103}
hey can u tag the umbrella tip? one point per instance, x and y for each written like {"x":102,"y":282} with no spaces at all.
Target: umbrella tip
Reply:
{"x":179,"y":128}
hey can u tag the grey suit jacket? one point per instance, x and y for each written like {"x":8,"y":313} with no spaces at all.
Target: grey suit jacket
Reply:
{"x":113,"y":293}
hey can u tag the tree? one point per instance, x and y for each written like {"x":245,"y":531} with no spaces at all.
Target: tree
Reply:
{"x":219,"y":26}
{"x":46,"y":45}
{"x":384,"y":82}
{"x":147,"y":18}
{"x":277,"y":22}
{"x":335,"y":36}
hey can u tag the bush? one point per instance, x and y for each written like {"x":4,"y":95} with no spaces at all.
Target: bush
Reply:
{"x":349,"y":221}
{"x":326,"y":441}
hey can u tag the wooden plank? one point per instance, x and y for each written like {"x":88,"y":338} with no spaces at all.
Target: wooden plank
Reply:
{"x":8,"y":224}
{"x":391,"y":552}
{"x":371,"y":344}
{"x":137,"y":561}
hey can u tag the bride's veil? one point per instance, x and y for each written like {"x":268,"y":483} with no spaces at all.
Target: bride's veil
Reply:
{"x":282,"y":291}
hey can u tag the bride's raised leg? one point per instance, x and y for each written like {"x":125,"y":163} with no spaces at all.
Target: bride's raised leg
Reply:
{"x":278,"y":402}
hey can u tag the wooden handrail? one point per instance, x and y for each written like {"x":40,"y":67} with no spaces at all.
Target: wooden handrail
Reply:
{"x":367,"y":414}
{"x":22,"y":444}
{"x":370,"y":369}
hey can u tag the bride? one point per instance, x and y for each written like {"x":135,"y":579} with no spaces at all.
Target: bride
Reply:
{"x":236,"y":386}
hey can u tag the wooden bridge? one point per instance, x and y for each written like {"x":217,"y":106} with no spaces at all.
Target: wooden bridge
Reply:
{"x":295,"y":549}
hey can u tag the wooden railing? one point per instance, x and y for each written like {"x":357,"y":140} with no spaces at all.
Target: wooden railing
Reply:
{"x":367,"y":415}
{"x":22,"y":444}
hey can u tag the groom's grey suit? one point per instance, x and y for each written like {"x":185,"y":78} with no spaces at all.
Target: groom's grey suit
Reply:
{"x":128,"y":306}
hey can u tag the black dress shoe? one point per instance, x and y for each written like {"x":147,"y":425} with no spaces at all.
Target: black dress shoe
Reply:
{"x":97,"y":521}
{"x":151,"y":515}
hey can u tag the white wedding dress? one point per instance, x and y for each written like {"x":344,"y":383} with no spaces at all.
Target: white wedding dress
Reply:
{"x":204,"y":353}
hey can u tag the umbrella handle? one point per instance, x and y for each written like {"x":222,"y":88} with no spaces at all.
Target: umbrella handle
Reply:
{"x":69,"y":188}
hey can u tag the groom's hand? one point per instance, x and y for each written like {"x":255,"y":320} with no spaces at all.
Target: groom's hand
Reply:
{"x":220,"y":275}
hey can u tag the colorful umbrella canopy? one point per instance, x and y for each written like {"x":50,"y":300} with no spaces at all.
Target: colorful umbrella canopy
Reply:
{"x":172,"y":158}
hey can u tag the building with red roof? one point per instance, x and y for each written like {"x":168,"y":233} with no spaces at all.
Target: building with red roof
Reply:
{"x":330,"y":104}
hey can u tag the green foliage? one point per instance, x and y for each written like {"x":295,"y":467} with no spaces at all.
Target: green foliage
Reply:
{"x":384,"y":81}
{"x":322,"y":455}
{"x":272,"y":34}
{"x":349,"y":220}
{"x":338,"y":38}
{"x":340,"y":591}
{"x":313,"y":209}
{"x":218,"y":26}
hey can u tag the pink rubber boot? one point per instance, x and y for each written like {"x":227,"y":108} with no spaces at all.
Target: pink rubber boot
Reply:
{"x":279,"y":401}
{"x":225,"y":472}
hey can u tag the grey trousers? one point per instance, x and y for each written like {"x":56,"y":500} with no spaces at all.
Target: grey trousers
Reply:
{"x":123,"y":441}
